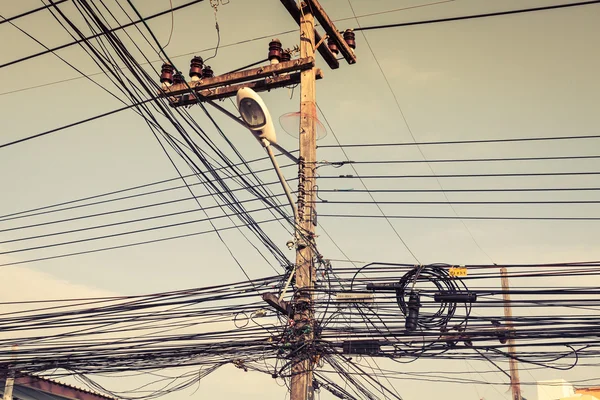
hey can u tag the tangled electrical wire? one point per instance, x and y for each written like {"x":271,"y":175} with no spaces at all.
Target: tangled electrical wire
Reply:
{"x":210,"y":327}
{"x":446,"y":288}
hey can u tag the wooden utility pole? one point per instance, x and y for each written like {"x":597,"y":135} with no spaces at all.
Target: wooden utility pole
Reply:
{"x":302,"y":307}
{"x":302,"y":364}
{"x":208,"y":88}
{"x":10,"y":377}
{"x":8,"y":387}
{"x":515,"y":384}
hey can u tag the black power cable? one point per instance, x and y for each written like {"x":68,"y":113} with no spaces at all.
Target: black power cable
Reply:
{"x":465,"y":217}
{"x":124,"y":26}
{"x":26,"y":13}
{"x":438,"y":277}
{"x":455,"y":142}
{"x":72,"y":124}
{"x":477,"y":16}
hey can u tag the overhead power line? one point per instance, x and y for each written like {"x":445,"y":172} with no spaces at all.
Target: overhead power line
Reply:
{"x":71,"y":204}
{"x":421,"y":202}
{"x":469,"y":217}
{"x":290,"y":31}
{"x":510,"y":174}
{"x":451,"y":142}
{"x":130,"y":232}
{"x":435,"y":3}
{"x":462,"y":160}
{"x":118,"y":28}
{"x":144,"y":85}
{"x":469,"y":190}
{"x":72,"y":124}
{"x":26,"y":13}
{"x":477,"y":16}
{"x":150,"y":241}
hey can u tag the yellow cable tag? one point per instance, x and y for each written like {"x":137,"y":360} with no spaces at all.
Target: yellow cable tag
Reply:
{"x":456,"y":272}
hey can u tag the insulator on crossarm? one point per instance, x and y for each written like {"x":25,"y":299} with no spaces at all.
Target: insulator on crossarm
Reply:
{"x":350,"y":38}
{"x":286,"y":56}
{"x":196,"y":68}
{"x":332,"y":45}
{"x":166,"y":75}
{"x":207,"y":72}
{"x":275,"y":51}
{"x":178,"y":78}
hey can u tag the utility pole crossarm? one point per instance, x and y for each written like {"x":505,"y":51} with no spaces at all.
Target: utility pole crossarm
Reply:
{"x":261,"y":85}
{"x":296,"y":14}
{"x":332,"y":31}
{"x":304,"y":332}
{"x":259,"y":79}
{"x":281,"y":306}
{"x":247,"y":75}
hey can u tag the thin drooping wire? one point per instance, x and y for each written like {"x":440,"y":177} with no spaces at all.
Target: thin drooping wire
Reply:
{"x":470,"y":141}
{"x":461,"y":160}
{"x":85,"y":320}
{"x":26,"y":13}
{"x":218,"y":30}
{"x":191,"y":164}
{"x":290,"y":31}
{"x":267,"y":241}
{"x":466,"y":217}
{"x":251,"y":342}
{"x":457,"y":176}
{"x":144,"y":242}
{"x":395,"y":10}
{"x":370,"y":194}
{"x":408,"y":127}
{"x":477,"y":16}
{"x":172,"y":25}
{"x":87,"y":38}
{"x":190,"y":144}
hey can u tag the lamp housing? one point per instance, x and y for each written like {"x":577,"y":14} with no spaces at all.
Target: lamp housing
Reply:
{"x":255,"y":114}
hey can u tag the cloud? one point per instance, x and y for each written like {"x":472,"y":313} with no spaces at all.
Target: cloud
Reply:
{"x":21,"y":283}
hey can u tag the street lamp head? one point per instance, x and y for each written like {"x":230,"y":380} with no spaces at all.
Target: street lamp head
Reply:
{"x":252,"y":113}
{"x":255,"y":114}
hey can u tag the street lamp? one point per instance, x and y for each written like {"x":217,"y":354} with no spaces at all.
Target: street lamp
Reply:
{"x":257,"y":118}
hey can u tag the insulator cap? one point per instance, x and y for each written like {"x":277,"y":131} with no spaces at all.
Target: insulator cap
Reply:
{"x":286,"y":56}
{"x":178,"y":78}
{"x":207,"y":72}
{"x":275,"y":51}
{"x":166,"y":73}
{"x":349,"y":37}
{"x":196,"y":67}
{"x":332,"y":45}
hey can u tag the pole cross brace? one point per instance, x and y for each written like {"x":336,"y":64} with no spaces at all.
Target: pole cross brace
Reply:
{"x":281,"y":306}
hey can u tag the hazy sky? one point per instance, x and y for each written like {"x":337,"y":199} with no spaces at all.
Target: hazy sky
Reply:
{"x":530,"y":75}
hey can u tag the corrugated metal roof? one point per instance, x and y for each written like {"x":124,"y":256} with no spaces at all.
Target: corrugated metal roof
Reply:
{"x":59,"y":389}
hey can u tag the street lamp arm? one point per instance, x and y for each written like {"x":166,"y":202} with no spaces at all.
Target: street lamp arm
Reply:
{"x":286,"y":188}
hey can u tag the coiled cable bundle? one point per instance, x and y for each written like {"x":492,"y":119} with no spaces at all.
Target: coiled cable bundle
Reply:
{"x":434,"y":282}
